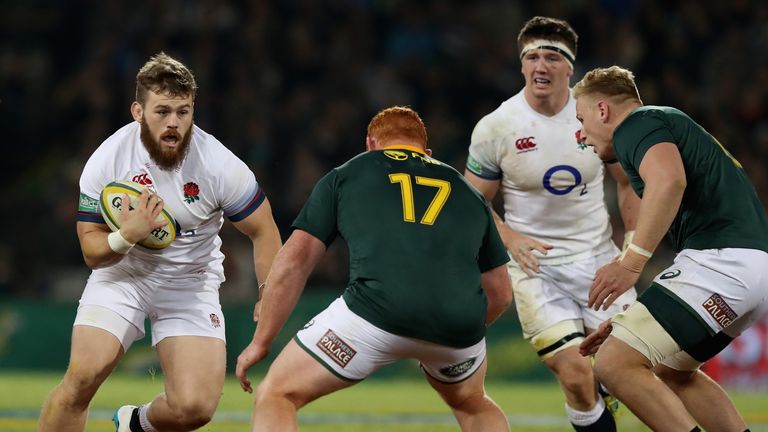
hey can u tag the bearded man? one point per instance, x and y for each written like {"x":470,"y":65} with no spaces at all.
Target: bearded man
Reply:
{"x":190,"y":173}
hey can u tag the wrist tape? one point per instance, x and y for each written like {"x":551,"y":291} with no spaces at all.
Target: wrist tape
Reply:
{"x":634,"y":258}
{"x":118,"y":243}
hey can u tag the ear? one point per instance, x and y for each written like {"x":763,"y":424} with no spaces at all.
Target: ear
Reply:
{"x":137,"y":111}
{"x":370,"y":143}
{"x":428,"y":151}
{"x":605,"y":110}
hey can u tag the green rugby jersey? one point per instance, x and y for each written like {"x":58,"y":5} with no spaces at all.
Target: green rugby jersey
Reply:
{"x":720,"y":207}
{"x":419,"y":237}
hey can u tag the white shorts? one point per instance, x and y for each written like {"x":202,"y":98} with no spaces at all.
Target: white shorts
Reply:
{"x":698,"y":305}
{"x":174,"y":308}
{"x":352,"y":348}
{"x":552,"y":305}
{"x":727,"y":288}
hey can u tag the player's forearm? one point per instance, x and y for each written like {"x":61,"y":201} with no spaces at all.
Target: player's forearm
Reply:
{"x":285,"y":283}
{"x":497,"y":289}
{"x":658,"y":208}
{"x":97,"y":251}
{"x":496,"y":307}
{"x":507,"y":234}
{"x":629,"y":205}
{"x":281,"y":294}
{"x":265,"y":248}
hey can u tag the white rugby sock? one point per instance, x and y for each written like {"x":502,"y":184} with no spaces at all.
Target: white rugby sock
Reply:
{"x":585,"y":418}
{"x":144,"y":420}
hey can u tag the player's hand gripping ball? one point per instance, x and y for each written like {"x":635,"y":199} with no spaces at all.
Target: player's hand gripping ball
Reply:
{"x":111,"y":202}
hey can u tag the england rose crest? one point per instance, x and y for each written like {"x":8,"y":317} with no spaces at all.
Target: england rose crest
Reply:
{"x":191,"y":192}
{"x":214,"y":320}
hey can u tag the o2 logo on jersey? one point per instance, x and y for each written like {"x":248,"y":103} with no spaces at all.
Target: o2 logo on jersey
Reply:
{"x":547,"y":180}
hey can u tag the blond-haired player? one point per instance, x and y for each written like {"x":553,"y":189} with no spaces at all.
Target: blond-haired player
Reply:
{"x":695,"y":191}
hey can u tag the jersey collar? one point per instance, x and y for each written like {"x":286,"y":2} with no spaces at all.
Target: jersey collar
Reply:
{"x":405,"y":147}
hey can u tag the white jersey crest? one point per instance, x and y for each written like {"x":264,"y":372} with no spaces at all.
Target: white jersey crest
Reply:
{"x":210,"y":183}
{"x":552,"y":185}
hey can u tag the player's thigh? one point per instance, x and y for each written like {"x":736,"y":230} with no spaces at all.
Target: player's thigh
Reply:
{"x":445,"y":363}
{"x":186,"y":309}
{"x":457,"y":393}
{"x":576,"y":279}
{"x":300,"y":377}
{"x":615,"y":356}
{"x":638,"y":329}
{"x":563,"y":335}
{"x":346,"y":344}
{"x":194,"y":368}
{"x":724,"y":287}
{"x":552,"y":305}
{"x":539,"y":302}
{"x":94,"y":354}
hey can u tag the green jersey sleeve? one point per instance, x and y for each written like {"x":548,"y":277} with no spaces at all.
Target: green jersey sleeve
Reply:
{"x":646,"y":129}
{"x":493,"y":253}
{"x":318,"y":216}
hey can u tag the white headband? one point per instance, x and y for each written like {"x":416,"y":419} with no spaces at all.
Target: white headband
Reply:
{"x":551,"y":45}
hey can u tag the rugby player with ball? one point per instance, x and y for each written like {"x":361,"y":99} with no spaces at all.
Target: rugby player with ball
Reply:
{"x":158,"y":257}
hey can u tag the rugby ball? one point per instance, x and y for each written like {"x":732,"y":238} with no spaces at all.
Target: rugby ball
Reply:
{"x":111,"y":204}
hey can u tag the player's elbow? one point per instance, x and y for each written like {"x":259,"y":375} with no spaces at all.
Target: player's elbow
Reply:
{"x":498,"y":303}
{"x":92,"y":264}
{"x":99,"y":262}
{"x":496,"y":279}
{"x":497,"y":288}
{"x":504,"y":298}
{"x":678,"y":182}
{"x":676,"y":187}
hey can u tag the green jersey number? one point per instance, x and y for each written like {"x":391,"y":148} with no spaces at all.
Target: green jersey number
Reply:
{"x":406,"y":191}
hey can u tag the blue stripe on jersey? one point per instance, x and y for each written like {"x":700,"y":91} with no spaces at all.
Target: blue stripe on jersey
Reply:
{"x":249,"y":208}
{"x":90,"y":217}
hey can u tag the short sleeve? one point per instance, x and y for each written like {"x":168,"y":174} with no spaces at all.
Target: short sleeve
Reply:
{"x":638,"y":133}
{"x":318,"y":216}
{"x":240,"y":193}
{"x":483,"y":160}
{"x":92,"y":181}
{"x":493,"y":253}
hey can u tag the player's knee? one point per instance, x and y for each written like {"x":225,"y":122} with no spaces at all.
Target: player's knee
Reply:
{"x":461,"y":397}
{"x":674,"y":379}
{"x":607,"y":370}
{"x":267,"y":391}
{"x":576,"y":377}
{"x":80,"y":384}
{"x":192,"y":414}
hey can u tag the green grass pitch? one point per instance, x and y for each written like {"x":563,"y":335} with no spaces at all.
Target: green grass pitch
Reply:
{"x":373,"y":405}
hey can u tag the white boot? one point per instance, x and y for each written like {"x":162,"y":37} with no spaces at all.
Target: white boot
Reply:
{"x":122,"y":418}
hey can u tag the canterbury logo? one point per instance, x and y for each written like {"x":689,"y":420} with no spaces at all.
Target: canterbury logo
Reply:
{"x":142,"y":179}
{"x":525,"y":143}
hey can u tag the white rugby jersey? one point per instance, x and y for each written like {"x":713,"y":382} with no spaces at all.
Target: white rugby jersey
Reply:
{"x":552,"y":185}
{"x":210,"y":183}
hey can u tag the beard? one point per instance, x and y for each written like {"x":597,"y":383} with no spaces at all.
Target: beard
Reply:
{"x":167,"y":159}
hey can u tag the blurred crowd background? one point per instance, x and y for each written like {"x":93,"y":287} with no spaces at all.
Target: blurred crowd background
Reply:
{"x":290,"y":86}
